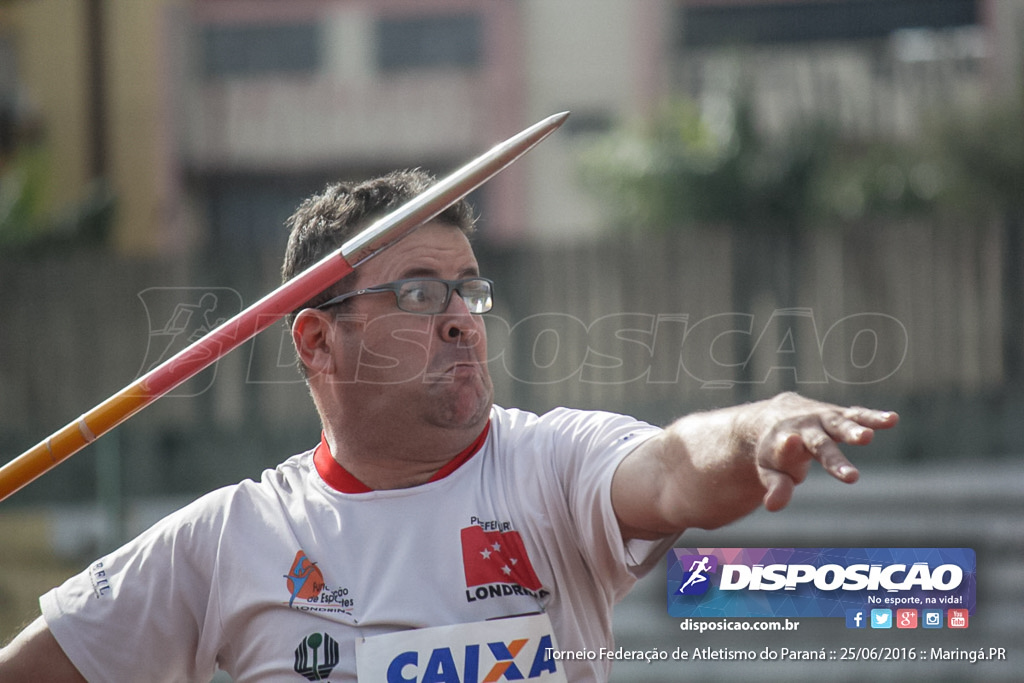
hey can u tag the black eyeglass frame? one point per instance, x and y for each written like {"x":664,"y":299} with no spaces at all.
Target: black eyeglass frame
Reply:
{"x":396,"y":288}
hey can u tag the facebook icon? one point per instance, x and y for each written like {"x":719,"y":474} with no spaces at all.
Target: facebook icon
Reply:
{"x":856,"y":618}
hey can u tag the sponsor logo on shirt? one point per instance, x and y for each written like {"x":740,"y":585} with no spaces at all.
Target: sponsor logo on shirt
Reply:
{"x":310,"y":593}
{"x":496,"y":563}
{"x":98,"y":577}
{"x":316,"y":656}
{"x":455,"y":664}
{"x":510,"y":649}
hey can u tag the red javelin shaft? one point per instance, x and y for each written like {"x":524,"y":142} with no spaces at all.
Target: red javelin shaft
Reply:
{"x":289,"y":296}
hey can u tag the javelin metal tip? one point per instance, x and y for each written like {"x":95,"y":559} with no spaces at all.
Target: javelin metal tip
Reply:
{"x":447,"y":191}
{"x":555,"y":120}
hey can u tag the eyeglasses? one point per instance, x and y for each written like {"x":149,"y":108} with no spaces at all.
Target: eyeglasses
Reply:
{"x":431,"y":295}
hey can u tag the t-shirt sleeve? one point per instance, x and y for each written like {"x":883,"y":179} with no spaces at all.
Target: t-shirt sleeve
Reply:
{"x":143,"y":612}
{"x":587,"y":448}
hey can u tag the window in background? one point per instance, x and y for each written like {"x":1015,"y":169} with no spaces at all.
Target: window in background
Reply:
{"x":429,"y":41}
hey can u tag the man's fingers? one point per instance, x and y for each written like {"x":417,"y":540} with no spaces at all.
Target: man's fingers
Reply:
{"x":779,"y":489}
{"x":874,"y":419}
{"x":786,"y":467}
{"x":813,"y":431}
{"x":794,"y":451}
{"x":856,"y":425}
{"x":822,"y":447}
{"x":791,"y":455}
{"x":838,"y":427}
{"x":836,"y":464}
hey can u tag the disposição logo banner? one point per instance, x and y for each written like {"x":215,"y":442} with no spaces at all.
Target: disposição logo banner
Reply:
{"x":817,"y":582}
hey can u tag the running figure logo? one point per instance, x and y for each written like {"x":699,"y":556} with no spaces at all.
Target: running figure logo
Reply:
{"x":695,"y":581}
{"x":179,"y":316}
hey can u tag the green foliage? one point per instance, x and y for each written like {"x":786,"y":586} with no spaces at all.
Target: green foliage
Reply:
{"x":877,"y":179}
{"x":26,"y":228}
{"x":961,"y":164}
{"x":986,"y":154}
{"x":688,"y":168}
{"x":21,"y":190}
{"x":27,"y":222}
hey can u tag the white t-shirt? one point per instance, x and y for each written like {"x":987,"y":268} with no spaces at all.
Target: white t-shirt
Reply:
{"x":278,"y":580}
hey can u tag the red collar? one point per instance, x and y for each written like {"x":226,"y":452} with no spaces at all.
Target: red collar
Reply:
{"x":340,"y":479}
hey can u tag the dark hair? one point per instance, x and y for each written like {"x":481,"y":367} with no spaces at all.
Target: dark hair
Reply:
{"x":325,"y":221}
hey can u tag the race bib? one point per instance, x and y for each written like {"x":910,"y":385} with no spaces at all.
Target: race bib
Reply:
{"x":514,"y":649}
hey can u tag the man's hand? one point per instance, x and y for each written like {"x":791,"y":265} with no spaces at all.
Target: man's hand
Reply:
{"x":709,"y":469}
{"x":794,"y":431}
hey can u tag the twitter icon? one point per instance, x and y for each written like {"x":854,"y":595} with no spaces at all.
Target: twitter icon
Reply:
{"x":881,"y":618}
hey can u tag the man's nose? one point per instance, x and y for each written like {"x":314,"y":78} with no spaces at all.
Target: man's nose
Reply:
{"x":457,"y":320}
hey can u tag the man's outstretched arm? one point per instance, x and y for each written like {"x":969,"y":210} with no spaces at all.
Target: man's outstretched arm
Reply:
{"x":709,"y":469}
{"x":35,"y":655}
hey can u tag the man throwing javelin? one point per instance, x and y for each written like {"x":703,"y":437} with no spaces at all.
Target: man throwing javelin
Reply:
{"x":430,"y":532}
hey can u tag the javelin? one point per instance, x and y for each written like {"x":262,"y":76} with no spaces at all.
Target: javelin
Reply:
{"x":289,"y":296}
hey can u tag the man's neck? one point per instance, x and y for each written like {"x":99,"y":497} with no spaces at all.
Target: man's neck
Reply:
{"x":384,"y":459}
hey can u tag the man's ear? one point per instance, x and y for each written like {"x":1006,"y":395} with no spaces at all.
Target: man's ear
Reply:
{"x":315,"y":336}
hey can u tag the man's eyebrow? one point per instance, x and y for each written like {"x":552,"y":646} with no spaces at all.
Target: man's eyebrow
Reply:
{"x":468,"y":271}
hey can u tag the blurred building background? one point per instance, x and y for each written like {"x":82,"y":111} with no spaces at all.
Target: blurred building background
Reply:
{"x":749,"y":196}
